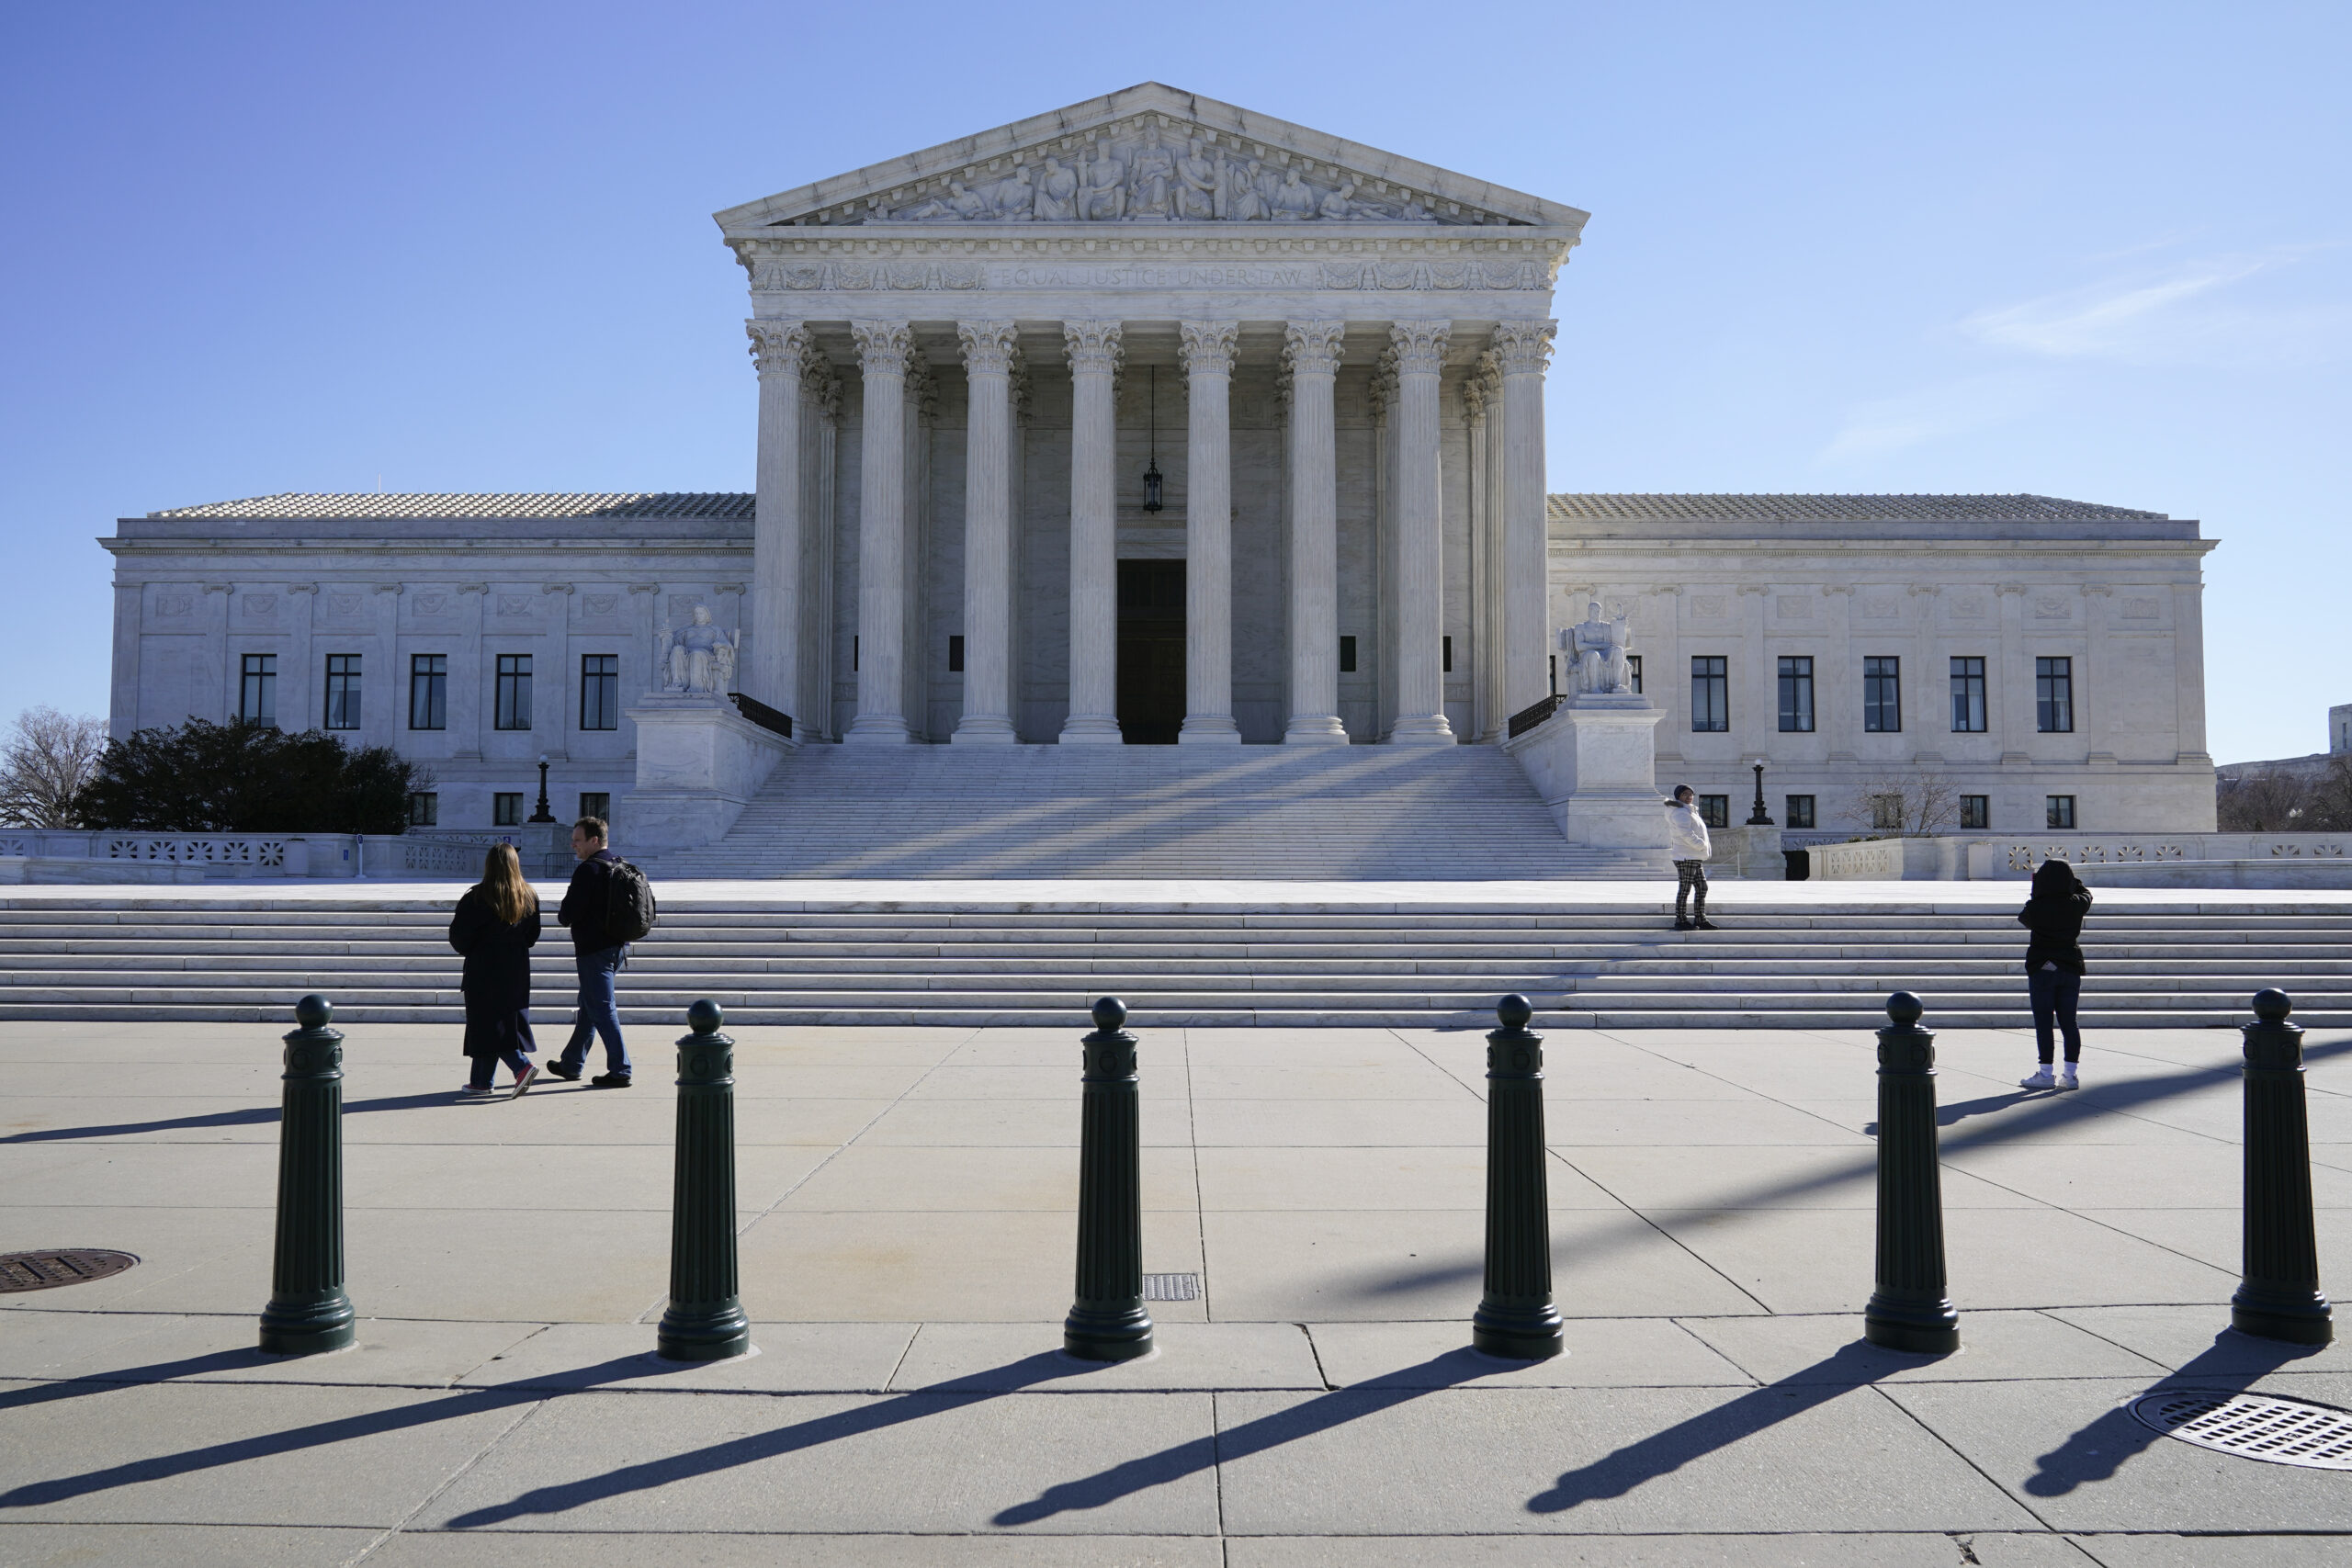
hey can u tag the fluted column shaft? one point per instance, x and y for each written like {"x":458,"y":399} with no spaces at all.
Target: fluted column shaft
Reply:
{"x":2279,"y":1295}
{"x":1523,"y":348}
{"x":1910,"y":1309}
{"x":1313,"y":349}
{"x":781,"y":350}
{"x":1208,"y":536}
{"x":1093,"y":535}
{"x":1421,"y":560}
{"x":309,"y":1310}
{"x":704,"y":1320}
{"x":989,"y":350}
{"x":883,"y":349}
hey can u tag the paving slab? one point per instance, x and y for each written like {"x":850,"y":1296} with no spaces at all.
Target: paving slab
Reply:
{"x":1341,"y":1178}
{"x":1874,"y":1550}
{"x":1627,"y":1353}
{"x":633,"y":1549}
{"x":181,"y":1546}
{"x":793,"y":1357}
{"x":1457,"y":1120}
{"x":901,"y":1177}
{"x":1002,"y":1357}
{"x":1570,"y":1123}
{"x":913,"y":1462}
{"x":2200,"y":1338}
{"x":389,"y":1352}
{"x":1777,"y":1176}
{"x":1994,"y":1347}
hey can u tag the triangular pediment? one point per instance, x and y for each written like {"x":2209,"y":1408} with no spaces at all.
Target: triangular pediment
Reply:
{"x":1149,"y":154}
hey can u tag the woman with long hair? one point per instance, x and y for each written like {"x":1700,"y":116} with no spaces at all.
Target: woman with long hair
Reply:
{"x":2053,"y":966}
{"x":496,"y":922}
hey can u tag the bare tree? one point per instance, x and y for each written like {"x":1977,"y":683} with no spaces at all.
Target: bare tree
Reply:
{"x":2270,"y":803}
{"x":48,"y":759}
{"x":1916,"y":804}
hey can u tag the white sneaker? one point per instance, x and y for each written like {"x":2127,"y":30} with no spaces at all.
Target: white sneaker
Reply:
{"x":2066,"y":1078}
{"x":2040,"y":1079}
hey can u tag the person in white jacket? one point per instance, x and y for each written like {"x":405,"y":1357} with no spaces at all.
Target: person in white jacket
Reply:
{"x":1688,"y":846}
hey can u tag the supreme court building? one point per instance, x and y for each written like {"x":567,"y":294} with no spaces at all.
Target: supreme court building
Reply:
{"x":1158,"y":420}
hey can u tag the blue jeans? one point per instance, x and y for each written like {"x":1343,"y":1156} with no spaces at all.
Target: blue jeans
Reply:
{"x":597,"y":1015}
{"x":486,"y":1067}
{"x":2055,"y":994}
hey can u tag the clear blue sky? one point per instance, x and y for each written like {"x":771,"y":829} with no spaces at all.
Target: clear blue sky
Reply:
{"x":2091,"y":251}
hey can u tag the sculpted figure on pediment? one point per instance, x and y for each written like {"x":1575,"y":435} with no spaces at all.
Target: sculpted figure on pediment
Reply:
{"x":1103,"y":196}
{"x":1151,"y":184}
{"x":1198,"y":185}
{"x":1292,"y":202}
{"x":1056,"y":193}
{"x":1339,"y":205}
{"x":1244,"y":203}
{"x":1014,"y":197}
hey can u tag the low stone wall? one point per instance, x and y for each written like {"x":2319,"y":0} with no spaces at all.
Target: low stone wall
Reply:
{"x":1752,"y":854}
{"x":82,"y":855}
{"x":2121,"y":859}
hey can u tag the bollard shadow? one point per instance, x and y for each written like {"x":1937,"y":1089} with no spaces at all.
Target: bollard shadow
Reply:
{"x":1320,"y":1414}
{"x":252,"y":1116}
{"x":1853,"y":1366}
{"x":2231,"y":1364}
{"x":1962,"y":1110}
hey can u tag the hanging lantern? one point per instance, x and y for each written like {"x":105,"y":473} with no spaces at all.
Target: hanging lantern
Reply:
{"x":1151,"y":473}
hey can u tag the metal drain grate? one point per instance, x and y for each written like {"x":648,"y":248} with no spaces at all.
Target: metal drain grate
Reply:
{"x":1171,"y":1287}
{"x":2252,"y":1426}
{"x":69,"y":1265}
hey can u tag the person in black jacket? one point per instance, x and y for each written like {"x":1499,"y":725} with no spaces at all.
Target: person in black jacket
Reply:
{"x":2053,"y":966}
{"x":598,"y":956}
{"x":496,"y":922}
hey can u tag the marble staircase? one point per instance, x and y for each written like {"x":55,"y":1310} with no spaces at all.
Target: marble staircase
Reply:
{"x":1607,"y":961}
{"x":1338,"y":813}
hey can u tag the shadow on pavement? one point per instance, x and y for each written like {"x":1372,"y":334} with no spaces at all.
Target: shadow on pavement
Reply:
{"x":253,"y":1116}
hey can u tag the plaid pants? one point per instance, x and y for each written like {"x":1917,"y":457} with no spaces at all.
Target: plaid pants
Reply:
{"x":1690,"y":876}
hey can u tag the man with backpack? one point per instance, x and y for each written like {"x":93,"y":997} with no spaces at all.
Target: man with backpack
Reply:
{"x":608,"y":906}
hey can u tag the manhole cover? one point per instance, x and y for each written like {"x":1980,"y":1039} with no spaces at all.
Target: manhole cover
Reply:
{"x":2253,"y":1426}
{"x":69,"y":1265}
{"x":1171,"y":1287}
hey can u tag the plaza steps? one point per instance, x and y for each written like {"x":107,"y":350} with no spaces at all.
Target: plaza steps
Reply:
{"x":1150,"y":813}
{"x":383,"y":958}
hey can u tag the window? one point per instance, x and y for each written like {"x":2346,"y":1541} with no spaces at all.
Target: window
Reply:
{"x":1634,"y":672}
{"x":342,"y":691}
{"x":955,"y":656}
{"x":257,"y":691}
{"x":596,"y":802}
{"x":2053,"y":696}
{"x":428,"y":691}
{"x":1715,"y":810}
{"x":1347,"y":656}
{"x":506,"y":810}
{"x":1796,"y":694}
{"x":424,"y":809}
{"x":1886,"y":813}
{"x":853,"y":654}
{"x":1976,"y":811}
{"x":1446,"y":654}
{"x":1552,"y":665}
{"x":1799,"y":811}
{"x":513,"y":692}
{"x":1710,"y":692}
{"x":1882,"y":695}
{"x":1968,"y":696}
{"x":600,"y":690}
{"x":2058,"y":811}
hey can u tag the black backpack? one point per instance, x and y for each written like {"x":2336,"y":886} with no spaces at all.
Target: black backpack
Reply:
{"x":629,"y":909}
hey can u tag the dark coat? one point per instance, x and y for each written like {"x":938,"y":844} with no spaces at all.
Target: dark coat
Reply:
{"x":498,"y":975}
{"x":2054,"y":915}
{"x":586,"y":901}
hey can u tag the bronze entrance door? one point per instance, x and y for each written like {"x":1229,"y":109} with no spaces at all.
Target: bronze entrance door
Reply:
{"x":1151,"y":651}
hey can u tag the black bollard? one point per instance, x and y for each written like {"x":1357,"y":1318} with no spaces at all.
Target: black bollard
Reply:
{"x":1909,"y":1310}
{"x":1108,"y":1322}
{"x":2279,"y":1297}
{"x":704,"y":1320}
{"x":309,"y":1310}
{"x":1516,"y":1316}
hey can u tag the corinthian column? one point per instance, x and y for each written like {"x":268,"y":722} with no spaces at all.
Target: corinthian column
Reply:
{"x":988,"y":351}
{"x":1208,"y":536}
{"x":1093,"y":536}
{"x":1523,"y":347}
{"x":883,"y":349}
{"x":781,"y":350}
{"x":1312,"y":349}
{"x":1420,"y":560}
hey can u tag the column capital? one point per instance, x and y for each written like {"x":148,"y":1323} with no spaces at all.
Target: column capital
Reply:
{"x":778,"y":348}
{"x":1524,"y":348}
{"x":989,"y":347}
{"x":1313,"y":348}
{"x":1092,"y":346}
{"x":1207,"y":347}
{"x":818,"y":386}
{"x":883,"y":347}
{"x":1420,"y":345}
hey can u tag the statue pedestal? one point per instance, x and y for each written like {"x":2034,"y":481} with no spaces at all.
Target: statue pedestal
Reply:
{"x":698,"y":764}
{"x":1595,"y":763}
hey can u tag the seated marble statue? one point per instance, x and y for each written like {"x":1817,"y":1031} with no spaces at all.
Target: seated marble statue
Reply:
{"x":1599,"y":648}
{"x":698,"y":657}
{"x":1056,"y":193}
{"x":1294,"y":203}
{"x":1103,"y":196}
{"x":1197,"y":183}
{"x":1243,"y":204}
{"x":1340,"y":204}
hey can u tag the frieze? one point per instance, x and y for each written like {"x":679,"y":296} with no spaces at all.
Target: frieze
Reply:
{"x":853,"y":276}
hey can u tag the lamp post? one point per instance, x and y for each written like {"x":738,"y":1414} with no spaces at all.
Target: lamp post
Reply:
{"x":543,"y":814}
{"x":1757,"y":817}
